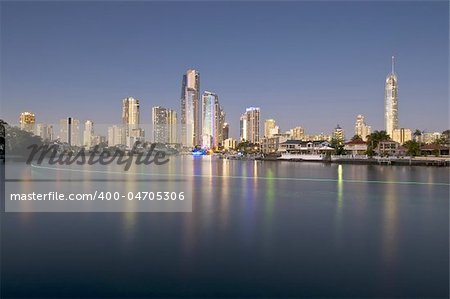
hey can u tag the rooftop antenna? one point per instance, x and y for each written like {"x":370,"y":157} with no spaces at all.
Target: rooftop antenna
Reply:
{"x":392,"y":64}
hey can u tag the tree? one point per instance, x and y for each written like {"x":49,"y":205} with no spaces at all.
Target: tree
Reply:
{"x":373,"y":140}
{"x":412,"y":148}
{"x":338,"y":146}
{"x":356,"y":138}
{"x":17,"y":141}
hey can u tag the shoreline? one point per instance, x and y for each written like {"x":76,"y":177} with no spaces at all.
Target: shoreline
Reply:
{"x":382,"y":161}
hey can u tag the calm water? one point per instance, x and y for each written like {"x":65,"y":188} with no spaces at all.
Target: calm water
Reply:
{"x":257,"y":229}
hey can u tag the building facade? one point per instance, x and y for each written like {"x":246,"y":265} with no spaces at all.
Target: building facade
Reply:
{"x":391,"y":102}
{"x":212,"y":120}
{"x":27,"y":121}
{"x":88,"y":133}
{"x":164,"y":123}
{"x":269,"y":126}
{"x":131,"y":121}
{"x":402,"y":135}
{"x":70,"y":131}
{"x":190,"y":109}
{"x":250,"y":125}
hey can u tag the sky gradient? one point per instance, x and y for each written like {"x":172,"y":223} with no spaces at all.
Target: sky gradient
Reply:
{"x":304,"y":64}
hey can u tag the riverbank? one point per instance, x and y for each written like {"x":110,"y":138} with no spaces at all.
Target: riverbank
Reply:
{"x":421,"y":161}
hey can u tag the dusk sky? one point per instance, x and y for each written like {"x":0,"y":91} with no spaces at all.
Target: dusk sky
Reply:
{"x":304,"y":64}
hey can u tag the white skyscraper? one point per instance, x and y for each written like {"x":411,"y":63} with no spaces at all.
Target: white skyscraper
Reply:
{"x":164,"y":123}
{"x":250,"y":125}
{"x":190,"y":109}
{"x":88,"y":133}
{"x":391,"y":102}
{"x":70,"y":131}
{"x":212,"y":120}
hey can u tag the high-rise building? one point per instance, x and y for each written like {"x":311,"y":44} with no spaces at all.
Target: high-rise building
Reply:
{"x":225,"y":131}
{"x":391,"y":102}
{"x":212,"y":120}
{"x":88,"y":133}
{"x":164,"y":125}
{"x":190,"y":109}
{"x":45,"y":132}
{"x":402,"y":135}
{"x":243,"y":127}
{"x":338,"y":134}
{"x":27,"y":121}
{"x":298,"y":133}
{"x":361,"y":129}
{"x":250,"y":125}
{"x":269,"y":124}
{"x":131,"y":121}
{"x":70,"y":131}
{"x":116,"y":135}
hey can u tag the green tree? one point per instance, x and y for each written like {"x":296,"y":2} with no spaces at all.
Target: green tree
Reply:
{"x":338,"y":146}
{"x":412,"y":148}
{"x":356,"y":138}
{"x":373,"y":140}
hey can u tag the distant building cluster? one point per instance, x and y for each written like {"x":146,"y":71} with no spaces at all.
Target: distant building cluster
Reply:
{"x":202,"y":122}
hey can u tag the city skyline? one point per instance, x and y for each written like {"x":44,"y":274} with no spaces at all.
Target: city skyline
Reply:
{"x":320,"y":87}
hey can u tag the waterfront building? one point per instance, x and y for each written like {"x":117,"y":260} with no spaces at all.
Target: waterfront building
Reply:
{"x":390,"y":148}
{"x":164,"y":123}
{"x":250,"y":125}
{"x":190,"y":109}
{"x":356,"y":147}
{"x":391,"y":102}
{"x":299,"y":147}
{"x":27,"y":121}
{"x":212,"y":120}
{"x":70,"y":131}
{"x":361,"y":128}
{"x":402,"y":135}
{"x":88,"y":134}
{"x":269,"y":145}
{"x":269,"y":126}
{"x":45,"y":132}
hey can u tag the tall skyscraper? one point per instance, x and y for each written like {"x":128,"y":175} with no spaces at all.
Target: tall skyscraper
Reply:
{"x":391,"y":102}
{"x":269,"y":124}
{"x":190,"y":109}
{"x":130,"y":111}
{"x":250,"y":125}
{"x":361,"y":128}
{"x":27,"y":121}
{"x":131,"y":121}
{"x":212,"y":120}
{"x":164,"y":125}
{"x":88,"y":134}
{"x":70,"y":131}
